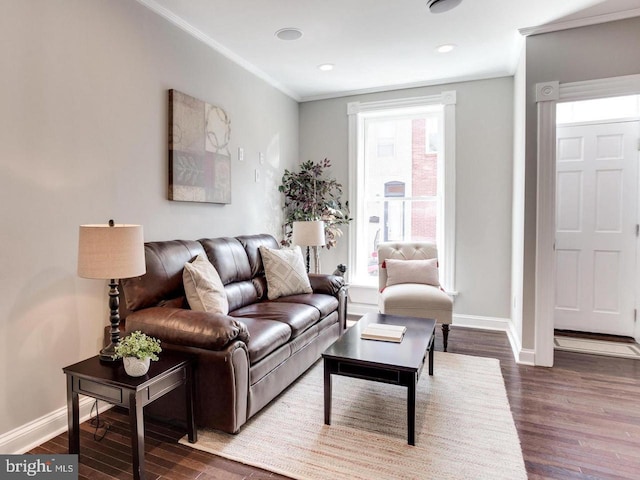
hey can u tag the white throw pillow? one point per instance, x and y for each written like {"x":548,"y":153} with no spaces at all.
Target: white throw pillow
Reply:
{"x":203,"y":286}
{"x":285,"y":272}
{"x":412,"y":271}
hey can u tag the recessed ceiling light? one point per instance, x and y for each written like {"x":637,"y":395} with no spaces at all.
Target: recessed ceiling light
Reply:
{"x":440,"y":6}
{"x":289,"y":33}
{"x":326,"y":67}
{"x":445,"y":48}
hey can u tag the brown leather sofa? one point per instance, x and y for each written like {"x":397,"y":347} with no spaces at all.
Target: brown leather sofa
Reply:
{"x":246,"y":358}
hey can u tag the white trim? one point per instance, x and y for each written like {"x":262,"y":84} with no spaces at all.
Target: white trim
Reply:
{"x":545,"y":203}
{"x":449,"y":208}
{"x":354,"y":159}
{"x":218,"y":47}
{"x":580,"y":22}
{"x":547,"y":91}
{"x":30,"y":435}
{"x":406,"y":86}
{"x":353,"y":108}
{"x":545,"y":233}
{"x":482,"y":322}
{"x":522,"y":356}
{"x":357,"y":310}
{"x":599,"y":88}
{"x":355,"y":112}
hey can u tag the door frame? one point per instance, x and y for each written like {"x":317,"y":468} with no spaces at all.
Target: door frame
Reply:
{"x":548,"y":94}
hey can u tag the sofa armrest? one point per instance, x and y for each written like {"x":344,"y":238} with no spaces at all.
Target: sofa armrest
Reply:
{"x":329,"y":284}
{"x":179,"y":326}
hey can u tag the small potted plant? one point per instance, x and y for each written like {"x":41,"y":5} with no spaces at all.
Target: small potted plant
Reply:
{"x":137,"y":350}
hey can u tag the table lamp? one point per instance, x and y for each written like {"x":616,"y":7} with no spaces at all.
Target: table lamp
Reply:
{"x":310,"y":234}
{"x":111,"y":252}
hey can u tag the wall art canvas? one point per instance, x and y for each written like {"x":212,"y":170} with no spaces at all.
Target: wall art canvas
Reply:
{"x":199,"y":157}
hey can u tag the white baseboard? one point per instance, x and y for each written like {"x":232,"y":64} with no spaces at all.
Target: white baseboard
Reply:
{"x":523,"y":356}
{"x":485,"y":323}
{"x":357,"y":310}
{"x":40,"y":430}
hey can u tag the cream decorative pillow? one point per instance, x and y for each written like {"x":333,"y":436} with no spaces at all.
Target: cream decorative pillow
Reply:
{"x":285,"y":272}
{"x":412,"y":271}
{"x":203,"y":286}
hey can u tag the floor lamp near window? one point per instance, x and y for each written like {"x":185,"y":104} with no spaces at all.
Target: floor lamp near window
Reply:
{"x":310,"y":234}
{"x":111,"y":252}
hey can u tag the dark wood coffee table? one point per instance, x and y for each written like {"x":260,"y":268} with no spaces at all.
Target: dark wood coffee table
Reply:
{"x":388,"y":362}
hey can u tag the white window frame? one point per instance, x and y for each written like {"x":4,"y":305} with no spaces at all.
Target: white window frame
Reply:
{"x":447,"y":214}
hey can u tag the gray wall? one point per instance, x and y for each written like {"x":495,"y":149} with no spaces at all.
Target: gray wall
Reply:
{"x":83,"y":134}
{"x":484,"y":152}
{"x":586,"y":53}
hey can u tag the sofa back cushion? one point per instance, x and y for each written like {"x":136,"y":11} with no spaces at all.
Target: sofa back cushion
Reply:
{"x":162,"y":284}
{"x":252,"y":244}
{"x":239,"y":265}
{"x":237,"y":261}
{"x":228,"y":257}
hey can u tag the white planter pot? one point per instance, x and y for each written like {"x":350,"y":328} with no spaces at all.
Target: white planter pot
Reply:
{"x":136,"y":367}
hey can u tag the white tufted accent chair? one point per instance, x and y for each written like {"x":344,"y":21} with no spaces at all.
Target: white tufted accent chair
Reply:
{"x":413,"y":299}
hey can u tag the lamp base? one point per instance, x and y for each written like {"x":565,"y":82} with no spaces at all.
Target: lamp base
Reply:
{"x":107,"y":354}
{"x":316,"y":259}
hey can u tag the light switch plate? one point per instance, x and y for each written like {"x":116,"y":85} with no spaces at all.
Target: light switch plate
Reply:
{"x":241,"y":154}
{"x":257,"y":175}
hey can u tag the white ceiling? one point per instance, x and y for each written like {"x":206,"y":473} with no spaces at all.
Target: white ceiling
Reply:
{"x":377,"y":44}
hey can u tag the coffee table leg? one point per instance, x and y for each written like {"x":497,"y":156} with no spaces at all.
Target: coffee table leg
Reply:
{"x":431,"y":356}
{"x":327,"y":393}
{"x":411,"y":410}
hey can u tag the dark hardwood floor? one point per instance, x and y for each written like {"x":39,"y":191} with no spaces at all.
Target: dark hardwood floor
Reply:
{"x":577,"y":420}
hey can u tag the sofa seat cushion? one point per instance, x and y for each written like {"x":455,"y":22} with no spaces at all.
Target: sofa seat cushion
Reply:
{"x":298,"y":317}
{"x":265,"y":336}
{"x":324,"y":303}
{"x":260,"y":369}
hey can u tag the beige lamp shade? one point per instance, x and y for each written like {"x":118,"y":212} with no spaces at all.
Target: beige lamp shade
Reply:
{"x":309,"y":234}
{"x":111,"y":252}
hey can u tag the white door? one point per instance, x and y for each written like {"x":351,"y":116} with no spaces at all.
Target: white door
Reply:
{"x":596,"y":218}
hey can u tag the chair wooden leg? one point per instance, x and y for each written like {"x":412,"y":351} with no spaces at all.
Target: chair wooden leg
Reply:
{"x":445,"y":335}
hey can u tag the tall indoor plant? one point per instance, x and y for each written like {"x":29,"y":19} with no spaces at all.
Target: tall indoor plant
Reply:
{"x":310,"y":194}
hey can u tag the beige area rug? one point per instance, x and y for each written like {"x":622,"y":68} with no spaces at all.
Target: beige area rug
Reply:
{"x":464,"y":428}
{"x":597,"y":347}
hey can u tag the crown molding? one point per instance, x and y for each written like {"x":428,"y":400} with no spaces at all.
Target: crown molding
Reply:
{"x":580,"y":22}
{"x":406,"y":86}
{"x":221,"y":49}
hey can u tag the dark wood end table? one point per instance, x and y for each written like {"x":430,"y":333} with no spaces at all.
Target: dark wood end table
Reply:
{"x":387,"y":362}
{"x":108,"y":381}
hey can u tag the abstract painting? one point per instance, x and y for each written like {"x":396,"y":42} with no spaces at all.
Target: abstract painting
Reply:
{"x":199,"y":157}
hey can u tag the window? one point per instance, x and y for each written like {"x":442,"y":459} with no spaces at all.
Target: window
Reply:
{"x":401,"y":185}
{"x":385,"y":137}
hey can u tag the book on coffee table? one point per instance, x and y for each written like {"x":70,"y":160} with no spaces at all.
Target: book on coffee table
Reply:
{"x":383,"y":332}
